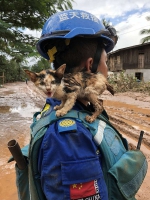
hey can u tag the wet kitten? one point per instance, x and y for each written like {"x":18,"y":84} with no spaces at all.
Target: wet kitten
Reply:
{"x":47,"y":80}
{"x":69,"y":87}
{"x":85,"y":86}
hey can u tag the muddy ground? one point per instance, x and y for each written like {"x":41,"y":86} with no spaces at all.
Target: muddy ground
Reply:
{"x":129,"y":112}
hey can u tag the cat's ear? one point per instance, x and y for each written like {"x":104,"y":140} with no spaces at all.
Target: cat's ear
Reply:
{"x":60,"y":71}
{"x":32,"y":75}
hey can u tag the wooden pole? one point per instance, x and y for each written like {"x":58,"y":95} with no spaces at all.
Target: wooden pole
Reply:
{"x":2,"y":77}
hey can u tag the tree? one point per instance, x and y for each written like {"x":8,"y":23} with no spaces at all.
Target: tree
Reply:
{"x":41,"y":65}
{"x":145,"y":32}
{"x":112,"y":30}
{"x":15,"y":16}
{"x":105,"y":22}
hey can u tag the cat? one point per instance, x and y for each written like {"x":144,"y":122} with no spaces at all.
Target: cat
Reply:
{"x":83,"y":85}
{"x":47,"y":80}
{"x":69,"y":87}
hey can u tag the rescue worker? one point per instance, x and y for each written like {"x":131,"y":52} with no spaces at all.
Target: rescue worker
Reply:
{"x":69,"y":160}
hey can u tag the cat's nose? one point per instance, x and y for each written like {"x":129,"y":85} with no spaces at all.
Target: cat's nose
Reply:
{"x":48,"y":89}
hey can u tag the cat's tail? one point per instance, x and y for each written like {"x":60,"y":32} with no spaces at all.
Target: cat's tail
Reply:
{"x":110,"y":88}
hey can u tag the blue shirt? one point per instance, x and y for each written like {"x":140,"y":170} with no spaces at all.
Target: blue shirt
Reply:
{"x":69,"y":161}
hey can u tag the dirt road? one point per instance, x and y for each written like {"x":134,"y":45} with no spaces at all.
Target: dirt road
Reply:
{"x":129,"y":112}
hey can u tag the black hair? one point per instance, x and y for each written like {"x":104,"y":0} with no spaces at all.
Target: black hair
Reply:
{"x":79,"y":50}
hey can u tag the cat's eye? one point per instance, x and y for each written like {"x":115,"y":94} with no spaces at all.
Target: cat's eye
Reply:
{"x":53,"y":82}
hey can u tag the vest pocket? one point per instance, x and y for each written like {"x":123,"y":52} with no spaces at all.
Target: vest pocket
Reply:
{"x":129,"y":172}
{"x":83,"y":179}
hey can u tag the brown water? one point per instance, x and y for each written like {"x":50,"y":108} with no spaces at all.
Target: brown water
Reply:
{"x":133,"y":115}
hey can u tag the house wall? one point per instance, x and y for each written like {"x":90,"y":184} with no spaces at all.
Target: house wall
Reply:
{"x":147,"y":57}
{"x":115,"y":63}
{"x":130,"y":57}
{"x":129,"y":60}
{"x":146,"y":73}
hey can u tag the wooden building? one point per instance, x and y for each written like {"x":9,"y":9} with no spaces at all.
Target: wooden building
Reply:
{"x":133,"y":60}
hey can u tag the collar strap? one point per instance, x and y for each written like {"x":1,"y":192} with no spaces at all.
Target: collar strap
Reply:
{"x":97,"y":58}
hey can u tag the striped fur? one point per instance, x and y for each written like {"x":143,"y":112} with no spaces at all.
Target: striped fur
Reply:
{"x":69,"y":87}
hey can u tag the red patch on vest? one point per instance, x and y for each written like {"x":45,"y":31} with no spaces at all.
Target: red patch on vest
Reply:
{"x":82,"y":190}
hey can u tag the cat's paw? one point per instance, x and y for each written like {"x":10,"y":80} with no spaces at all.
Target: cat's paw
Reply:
{"x":60,"y":113}
{"x":56,"y":107}
{"x":90,"y":119}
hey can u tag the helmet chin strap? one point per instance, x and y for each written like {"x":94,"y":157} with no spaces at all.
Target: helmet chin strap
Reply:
{"x":97,"y":58}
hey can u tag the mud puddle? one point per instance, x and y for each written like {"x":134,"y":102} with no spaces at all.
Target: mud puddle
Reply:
{"x":137,"y":125}
{"x":132,"y":116}
{"x":129,"y":106}
{"x":5,"y":92}
{"x":4,"y":109}
{"x":26,"y":110}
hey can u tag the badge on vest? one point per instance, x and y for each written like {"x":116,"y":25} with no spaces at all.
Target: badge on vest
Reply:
{"x":45,"y":109}
{"x":67,"y":125}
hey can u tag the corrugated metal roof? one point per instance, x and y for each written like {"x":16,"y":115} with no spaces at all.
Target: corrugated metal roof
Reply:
{"x":131,"y":47}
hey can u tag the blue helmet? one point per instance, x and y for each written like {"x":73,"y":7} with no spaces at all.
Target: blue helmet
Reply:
{"x":72,"y":23}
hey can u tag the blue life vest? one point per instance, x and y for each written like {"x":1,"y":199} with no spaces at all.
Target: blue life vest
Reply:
{"x":70,"y":162}
{"x":70,"y":159}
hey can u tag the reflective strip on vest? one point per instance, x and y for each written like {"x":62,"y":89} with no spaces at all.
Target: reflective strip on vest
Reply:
{"x":99,"y":135}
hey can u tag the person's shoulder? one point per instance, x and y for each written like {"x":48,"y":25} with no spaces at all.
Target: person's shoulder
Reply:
{"x":52,"y":101}
{"x":49,"y":106}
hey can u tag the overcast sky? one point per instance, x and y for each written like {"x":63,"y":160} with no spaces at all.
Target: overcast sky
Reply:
{"x":127,"y":16}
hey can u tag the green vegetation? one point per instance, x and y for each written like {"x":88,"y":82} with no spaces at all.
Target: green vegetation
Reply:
{"x":15,"y":46}
{"x":145,"y":32}
{"x":41,"y":65}
{"x":124,"y":83}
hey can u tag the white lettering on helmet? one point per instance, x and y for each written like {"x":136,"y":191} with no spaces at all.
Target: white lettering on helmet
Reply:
{"x":74,"y":14}
{"x":63,"y":17}
{"x":94,"y":19}
{"x":85,"y":15}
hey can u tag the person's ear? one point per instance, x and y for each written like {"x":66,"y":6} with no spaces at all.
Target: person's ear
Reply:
{"x":88,"y":64}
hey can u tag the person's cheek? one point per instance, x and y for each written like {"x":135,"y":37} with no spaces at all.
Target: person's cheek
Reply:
{"x":104,"y":69}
